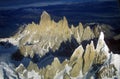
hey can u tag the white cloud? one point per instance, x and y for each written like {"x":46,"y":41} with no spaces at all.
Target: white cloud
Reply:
{"x":32,"y":5}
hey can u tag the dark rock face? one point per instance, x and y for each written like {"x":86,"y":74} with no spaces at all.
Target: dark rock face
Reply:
{"x":114,"y":45}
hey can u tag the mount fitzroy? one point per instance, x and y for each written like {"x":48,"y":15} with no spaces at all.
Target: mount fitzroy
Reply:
{"x":56,"y":50}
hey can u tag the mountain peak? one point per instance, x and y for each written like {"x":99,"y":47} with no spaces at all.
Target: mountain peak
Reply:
{"x":50,"y":34}
{"x":101,"y":36}
{"x":45,"y":19}
{"x":101,"y":46}
{"x":65,"y":22}
{"x":45,"y":15}
{"x":77,"y":53}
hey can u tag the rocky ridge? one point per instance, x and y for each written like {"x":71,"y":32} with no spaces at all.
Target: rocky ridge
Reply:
{"x":89,"y":63}
{"x":48,"y":35}
{"x":87,"y":59}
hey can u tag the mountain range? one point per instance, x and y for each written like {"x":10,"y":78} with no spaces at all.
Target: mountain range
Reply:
{"x":55,"y":50}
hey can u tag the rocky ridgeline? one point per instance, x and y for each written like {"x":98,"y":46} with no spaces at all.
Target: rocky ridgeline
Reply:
{"x":89,"y":63}
{"x":48,"y":35}
{"x":87,"y":58}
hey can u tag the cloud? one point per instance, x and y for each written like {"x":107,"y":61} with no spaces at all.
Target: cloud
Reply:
{"x":14,"y":4}
{"x":38,"y":4}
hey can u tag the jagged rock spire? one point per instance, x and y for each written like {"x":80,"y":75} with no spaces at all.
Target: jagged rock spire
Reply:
{"x":45,"y":19}
{"x":88,"y":57}
{"x":101,"y":45}
{"x":45,"y":16}
{"x":48,"y":34}
{"x":88,"y":34}
{"x":65,"y":22}
{"x":56,"y":62}
{"x":77,"y":62}
{"x":84,"y":63}
{"x":77,"y":53}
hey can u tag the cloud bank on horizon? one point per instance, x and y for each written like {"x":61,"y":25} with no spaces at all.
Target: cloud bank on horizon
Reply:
{"x":6,"y":4}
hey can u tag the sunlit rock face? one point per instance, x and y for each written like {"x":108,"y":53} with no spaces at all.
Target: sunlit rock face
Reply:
{"x":48,"y":35}
{"x":89,"y":63}
{"x":56,"y":50}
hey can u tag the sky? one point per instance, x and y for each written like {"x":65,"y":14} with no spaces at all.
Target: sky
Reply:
{"x":23,"y":3}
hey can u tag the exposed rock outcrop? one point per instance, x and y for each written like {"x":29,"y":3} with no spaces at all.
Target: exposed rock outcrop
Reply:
{"x":77,"y":62}
{"x":87,"y":61}
{"x":91,"y":62}
{"x":48,"y":34}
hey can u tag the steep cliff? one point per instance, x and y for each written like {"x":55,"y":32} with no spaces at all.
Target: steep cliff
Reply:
{"x":56,"y":50}
{"x":91,"y":62}
{"x":48,"y":35}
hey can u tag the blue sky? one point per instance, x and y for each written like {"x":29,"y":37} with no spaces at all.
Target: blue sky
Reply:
{"x":24,"y":3}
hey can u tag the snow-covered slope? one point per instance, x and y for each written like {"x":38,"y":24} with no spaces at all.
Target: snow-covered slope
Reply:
{"x":7,"y":71}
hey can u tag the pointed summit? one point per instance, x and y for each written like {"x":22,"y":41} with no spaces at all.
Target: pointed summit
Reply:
{"x":89,"y":56}
{"x":101,"y":45}
{"x":87,"y":34}
{"x":65,"y":23}
{"x":45,"y":19}
{"x":45,"y":16}
{"x":101,"y":37}
{"x":56,"y":62}
{"x":77,"y":53}
{"x":20,"y":68}
{"x":81,"y":29}
{"x":77,"y":61}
